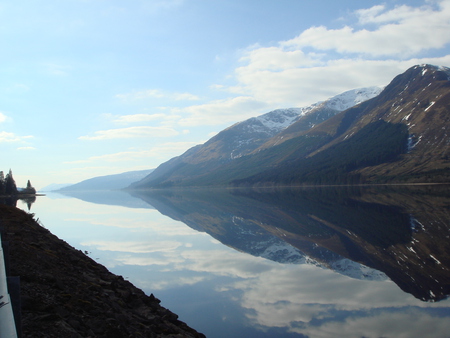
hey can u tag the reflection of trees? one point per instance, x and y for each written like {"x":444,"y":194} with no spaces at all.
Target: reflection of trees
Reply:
{"x":29,"y":200}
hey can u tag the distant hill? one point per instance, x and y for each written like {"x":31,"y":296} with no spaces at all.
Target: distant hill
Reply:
{"x":108,"y":182}
{"x":55,"y":186}
{"x":243,"y":138}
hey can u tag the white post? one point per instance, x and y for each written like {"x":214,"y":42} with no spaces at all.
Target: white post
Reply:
{"x":7,"y":324}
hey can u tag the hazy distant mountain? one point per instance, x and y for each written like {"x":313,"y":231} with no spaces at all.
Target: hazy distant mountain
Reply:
{"x":244,"y":137}
{"x":399,"y":135}
{"x":55,"y":186}
{"x":108,"y":182}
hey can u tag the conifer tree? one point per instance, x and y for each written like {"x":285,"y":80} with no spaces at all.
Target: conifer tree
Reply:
{"x":10,"y":184}
{"x":30,"y":189}
{"x":2,"y":183}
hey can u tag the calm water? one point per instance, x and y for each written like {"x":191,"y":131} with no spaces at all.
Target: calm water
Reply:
{"x":290,"y":263}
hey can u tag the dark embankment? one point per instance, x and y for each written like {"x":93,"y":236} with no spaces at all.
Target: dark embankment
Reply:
{"x":64,"y":293}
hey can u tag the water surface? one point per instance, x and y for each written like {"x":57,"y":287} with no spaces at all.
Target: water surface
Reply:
{"x":274,"y":263}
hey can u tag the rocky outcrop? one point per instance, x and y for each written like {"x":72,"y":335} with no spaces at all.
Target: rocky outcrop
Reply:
{"x":64,"y":293}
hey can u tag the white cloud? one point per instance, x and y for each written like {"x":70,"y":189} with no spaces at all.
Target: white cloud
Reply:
{"x":3,"y":117}
{"x":7,"y":137}
{"x":322,"y":62}
{"x":131,"y":132}
{"x":318,"y":63}
{"x":221,"y":111}
{"x":26,"y":148}
{"x":402,"y":31}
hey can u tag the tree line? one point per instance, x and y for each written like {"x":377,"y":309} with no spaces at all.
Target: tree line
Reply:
{"x":8,"y":186}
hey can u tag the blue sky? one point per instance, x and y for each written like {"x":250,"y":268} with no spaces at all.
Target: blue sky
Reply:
{"x":99,"y":87}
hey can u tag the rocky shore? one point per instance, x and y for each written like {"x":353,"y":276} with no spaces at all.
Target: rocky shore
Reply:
{"x":64,"y":293}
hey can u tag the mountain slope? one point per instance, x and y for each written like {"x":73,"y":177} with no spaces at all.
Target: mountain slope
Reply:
{"x":398,"y":136}
{"x":108,"y":182}
{"x":227,"y":148}
{"x":323,"y":111}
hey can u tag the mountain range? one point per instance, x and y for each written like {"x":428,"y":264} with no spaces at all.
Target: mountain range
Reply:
{"x":395,"y":134}
{"x":107,"y":182}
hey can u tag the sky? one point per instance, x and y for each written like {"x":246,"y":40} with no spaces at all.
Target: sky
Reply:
{"x":98,"y":87}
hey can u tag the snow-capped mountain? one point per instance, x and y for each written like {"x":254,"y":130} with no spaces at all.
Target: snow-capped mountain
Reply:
{"x":277,"y":120}
{"x":351,"y":98}
{"x":321,"y":111}
{"x":272,"y":122}
{"x":245,"y":137}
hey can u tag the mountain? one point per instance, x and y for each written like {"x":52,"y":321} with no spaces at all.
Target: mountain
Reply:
{"x":243,"y":138}
{"x":55,"y":186}
{"x":323,"y":111}
{"x":397,"y":136}
{"x":108,"y":182}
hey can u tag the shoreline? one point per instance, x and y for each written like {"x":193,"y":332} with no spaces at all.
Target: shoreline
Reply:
{"x":65,"y":293}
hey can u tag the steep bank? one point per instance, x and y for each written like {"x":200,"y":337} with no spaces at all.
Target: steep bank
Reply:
{"x":64,"y":293}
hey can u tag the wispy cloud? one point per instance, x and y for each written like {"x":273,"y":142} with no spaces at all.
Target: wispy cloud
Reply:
{"x":220,"y":111}
{"x":56,"y":69}
{"x":321,"y":62}
{"x":7,"y":137}
{"x":156,"y":94}
{"x":138,"y":118}
{"x":158,"y":5}
{"x":131,"y":132}
{"x":161,"y":151}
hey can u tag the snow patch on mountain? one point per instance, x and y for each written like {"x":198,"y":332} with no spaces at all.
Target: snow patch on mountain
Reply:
{"x":251,"y":133}
{"x":356,"y":270}
{"x":351,"y":98}
{"x":277,"y":120}
{"x":280,"y":119}
{"x":426,"y":67}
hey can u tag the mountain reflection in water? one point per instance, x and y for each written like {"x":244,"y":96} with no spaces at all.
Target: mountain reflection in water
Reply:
{"x":367,"y":233}
{"x":402,"y":232}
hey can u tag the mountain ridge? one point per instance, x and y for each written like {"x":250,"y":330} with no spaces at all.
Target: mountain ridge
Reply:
{"x":246,"y":137}
{"x":108,"y":182}
{"x":398,"y":135}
